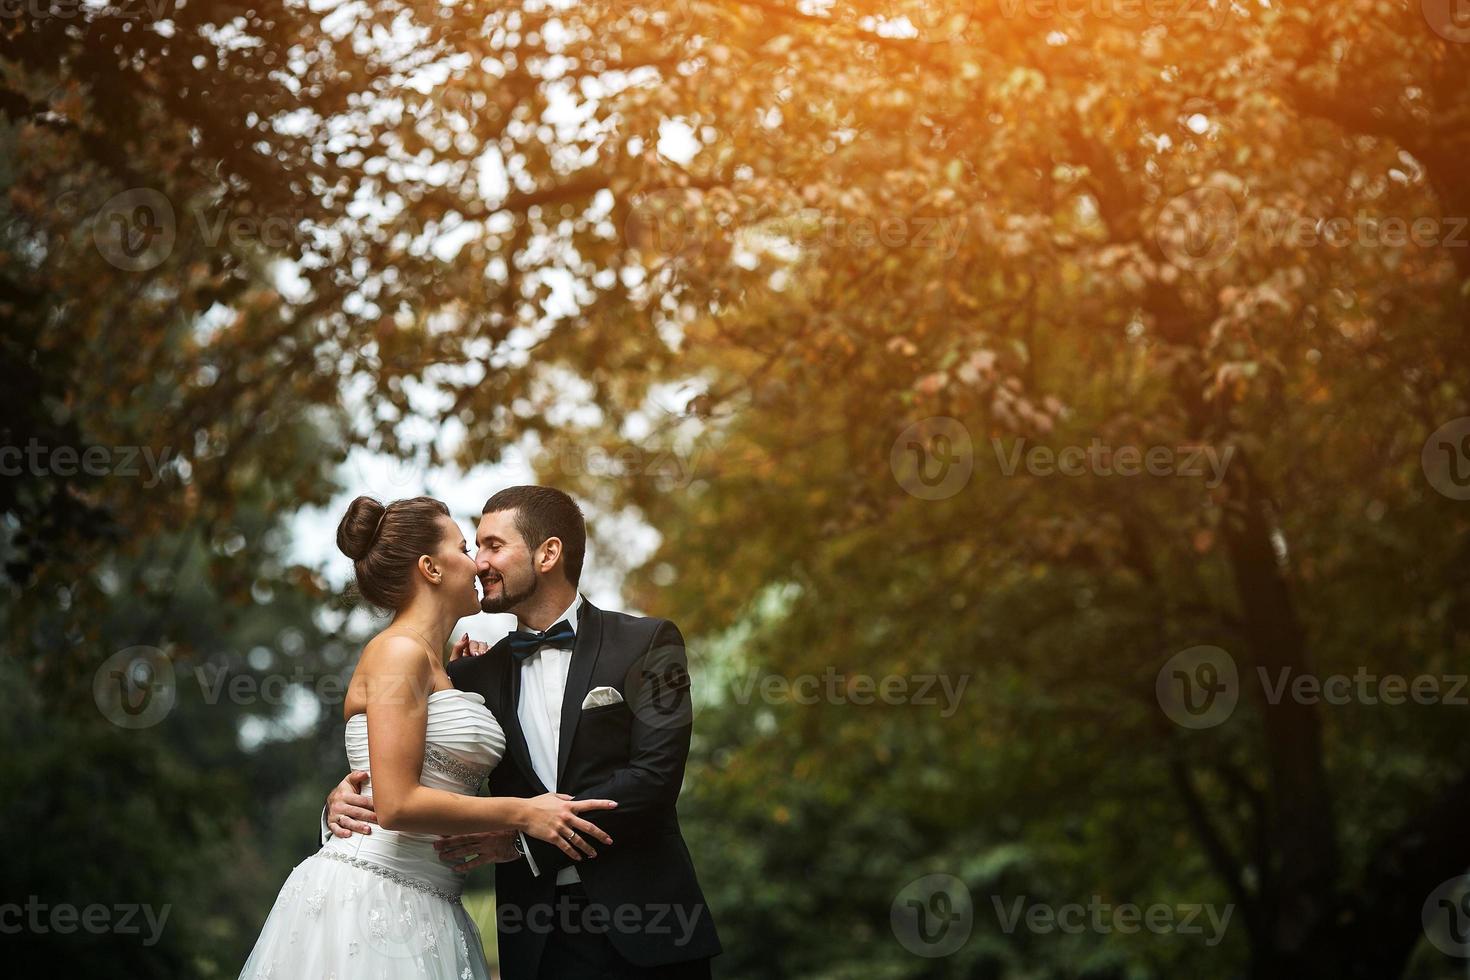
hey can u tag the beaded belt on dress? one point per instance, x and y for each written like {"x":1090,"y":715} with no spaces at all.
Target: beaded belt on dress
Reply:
{"x":468,"y":774}
{"x":396,"y":877}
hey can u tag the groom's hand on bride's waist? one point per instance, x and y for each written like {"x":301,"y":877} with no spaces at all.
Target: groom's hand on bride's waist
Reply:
{"x":465,"y":851}
{"x":348,"y":812}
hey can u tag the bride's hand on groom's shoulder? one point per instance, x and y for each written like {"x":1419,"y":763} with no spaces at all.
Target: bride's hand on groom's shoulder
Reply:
{"x":463,"y":852}
{"x":466,"y":647}
{"x":348,"y":811}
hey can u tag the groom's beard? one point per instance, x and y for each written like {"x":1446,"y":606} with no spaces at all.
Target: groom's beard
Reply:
{"x":508,"y":600}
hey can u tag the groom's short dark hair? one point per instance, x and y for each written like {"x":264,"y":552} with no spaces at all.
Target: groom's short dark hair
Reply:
{"x":545,"y":512}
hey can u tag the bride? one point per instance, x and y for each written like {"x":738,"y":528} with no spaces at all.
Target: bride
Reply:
{"x":383,"y":905}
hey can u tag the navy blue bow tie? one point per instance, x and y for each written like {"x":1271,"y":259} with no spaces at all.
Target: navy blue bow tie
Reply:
{"x":523,"y":643}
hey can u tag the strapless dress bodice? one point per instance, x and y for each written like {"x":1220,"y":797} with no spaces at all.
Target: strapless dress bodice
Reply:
{"x":463,"y":742}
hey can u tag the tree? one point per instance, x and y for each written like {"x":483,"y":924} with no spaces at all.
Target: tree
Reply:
{"x":1075,"y":305}
{"x":771,"y":236}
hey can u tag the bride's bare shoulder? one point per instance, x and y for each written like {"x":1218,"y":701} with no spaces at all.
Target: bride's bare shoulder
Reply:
{"x":391,"y":658}
{"x":396,"y":642}
{"x":392,"y":668}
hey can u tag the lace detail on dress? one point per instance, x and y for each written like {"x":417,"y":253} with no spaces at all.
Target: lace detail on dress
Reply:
{"x":467,"y":773}
{"x":394,"y":876}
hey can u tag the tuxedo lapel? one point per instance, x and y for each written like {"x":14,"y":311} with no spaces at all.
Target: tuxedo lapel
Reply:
{"x":579,"y":679}
{"x":511,"y":724}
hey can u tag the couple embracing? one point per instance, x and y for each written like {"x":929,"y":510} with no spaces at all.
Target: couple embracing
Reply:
{"x":581,"y":720}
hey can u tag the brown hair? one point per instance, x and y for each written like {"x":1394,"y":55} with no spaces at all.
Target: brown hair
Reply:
{"x":385,"y":542}
{"x":545,"y":512}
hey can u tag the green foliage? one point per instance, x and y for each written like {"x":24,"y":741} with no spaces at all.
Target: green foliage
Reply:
{"x":765,"y":238}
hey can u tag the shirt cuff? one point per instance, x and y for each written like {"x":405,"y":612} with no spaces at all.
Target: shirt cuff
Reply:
{"x":526,"y":850}
{"x":326,"y":832}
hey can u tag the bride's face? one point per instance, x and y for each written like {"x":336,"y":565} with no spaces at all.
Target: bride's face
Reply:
{"x":459,"y":568}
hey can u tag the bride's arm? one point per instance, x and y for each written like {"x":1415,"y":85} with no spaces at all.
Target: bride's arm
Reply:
{"x":398,"y":681}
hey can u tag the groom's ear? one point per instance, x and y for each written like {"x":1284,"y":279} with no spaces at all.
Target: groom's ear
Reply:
{"x":548,"y":555}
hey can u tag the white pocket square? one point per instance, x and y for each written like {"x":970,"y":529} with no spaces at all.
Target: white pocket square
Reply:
{"x":600,"y":696}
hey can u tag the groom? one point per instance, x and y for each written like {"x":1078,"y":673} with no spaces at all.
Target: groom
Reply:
{"x":594,"y":704}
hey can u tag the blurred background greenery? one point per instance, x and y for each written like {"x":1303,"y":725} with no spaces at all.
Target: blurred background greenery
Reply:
{"x":786,"y":292}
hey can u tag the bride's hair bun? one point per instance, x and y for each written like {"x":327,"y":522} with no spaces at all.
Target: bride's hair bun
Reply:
{"x":385,"y":541}
{"x":359,"y":527}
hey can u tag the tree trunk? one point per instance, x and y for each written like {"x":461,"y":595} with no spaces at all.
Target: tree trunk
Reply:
{"x":1298,"y":891}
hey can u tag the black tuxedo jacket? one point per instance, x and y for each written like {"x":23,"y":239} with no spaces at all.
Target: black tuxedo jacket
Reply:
{"x":634,"y":753}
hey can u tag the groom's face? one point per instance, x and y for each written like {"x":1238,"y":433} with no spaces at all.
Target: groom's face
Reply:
{"x":506,"y":565}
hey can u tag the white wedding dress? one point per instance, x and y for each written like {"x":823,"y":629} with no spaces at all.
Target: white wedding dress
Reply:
{"x":382,"y":906}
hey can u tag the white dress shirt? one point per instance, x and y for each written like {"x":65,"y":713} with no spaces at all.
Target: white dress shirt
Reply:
{"x":543,"y":684}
